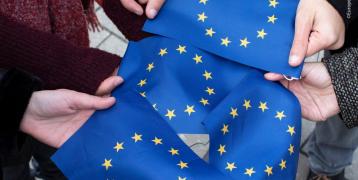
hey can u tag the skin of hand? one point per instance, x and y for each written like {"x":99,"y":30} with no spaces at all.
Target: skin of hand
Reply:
{"x":314,"y":91}
{"x":318,"y":26}
{"x":151,"y":10}
{"x":107,"y":86}
{"x":54,"y":116}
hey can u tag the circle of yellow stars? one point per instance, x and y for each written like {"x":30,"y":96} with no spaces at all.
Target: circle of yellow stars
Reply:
{"x":244,"y":42}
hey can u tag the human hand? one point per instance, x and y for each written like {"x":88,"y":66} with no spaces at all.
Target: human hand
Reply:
{"x":54,"y":116}
{"x":109,"y":84}
{"x":318,"y":26}
{"x":151,"y":10}
{"x":314,"y":91}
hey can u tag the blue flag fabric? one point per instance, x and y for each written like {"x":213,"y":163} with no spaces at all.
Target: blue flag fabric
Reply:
{"x":171,"y":87}
{"x":252,"y":32}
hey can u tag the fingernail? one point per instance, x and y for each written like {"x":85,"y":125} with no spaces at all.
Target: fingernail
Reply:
{"x":293,"y":59}
{"x":152,"y":13}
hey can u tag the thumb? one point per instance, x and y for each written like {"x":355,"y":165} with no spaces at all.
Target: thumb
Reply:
{"x":82,"y":101}
{"x":108,"y":85}
{"x":153,"y":7}
{"x":303,"y":26}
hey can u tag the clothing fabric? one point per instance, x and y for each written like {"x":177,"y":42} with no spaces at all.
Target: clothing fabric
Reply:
{"x":348,"y":9}
{"x":343,"y":69}
{"x":331,"y":147}
{"x":59,"y":63}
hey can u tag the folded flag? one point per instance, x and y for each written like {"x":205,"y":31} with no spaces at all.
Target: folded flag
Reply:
{"x":252,"y":32}
{"x":171,"y":87}
{"x":130,"y":141}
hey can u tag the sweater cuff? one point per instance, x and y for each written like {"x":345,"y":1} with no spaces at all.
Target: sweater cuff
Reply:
{"x":16,"y":89}
{"x":343,"y":71}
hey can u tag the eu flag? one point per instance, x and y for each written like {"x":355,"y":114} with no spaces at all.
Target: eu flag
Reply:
{"x":172,"y":87}
{"x":257,"y":33}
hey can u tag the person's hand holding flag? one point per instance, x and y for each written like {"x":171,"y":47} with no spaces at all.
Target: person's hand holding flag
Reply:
{"x":318,"y":27}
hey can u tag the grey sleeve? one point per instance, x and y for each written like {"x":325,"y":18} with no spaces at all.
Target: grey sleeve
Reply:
{"x":343,"y":69}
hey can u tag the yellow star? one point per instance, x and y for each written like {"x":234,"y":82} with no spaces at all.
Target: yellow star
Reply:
{"x":230,"y":166}
{"x":210,"y":32}
{"x":204,"y":101}
{"x":225,"y":129}
{"x":137,"y":137}
{"x":280,"y":115}
{"x":107,"y":164}
{"x":261,"y":34}
{"x":273,"y":3}
{"x":263,"y":106}
{"x":181,"y":178}
{"x":203,"y":1}
{"x":207,"y":75}
{"x":143,"y":94}
{"x":271,"y":19}
{"x":210,"y":91}
{"x":170,"y":114}
{"x":250,"y":171}
{"x":189,"y":109}
{"x":181,"y":49}
{"x":222,"y":149}
{"x":155,"y":107}
{"x":291,"y":130}
{"x":157,"y":141}
{"x":233,"y":112}
{"x":174,"y":151}
{"x":183,"y":165}
{"x":150,"y":67}
{"x":163,"y":52}
{"x":119,"y":146}
{"x":244,"y":42}
{"x":198,"y":59}
{"x":202,"y":17}
{"x":268,"y":170}
{"x":142,"y":82}
{"x":283,"y":164}
{"x":291,"y":149}
{"x":225,"y":41}
{"x":247,"y":104}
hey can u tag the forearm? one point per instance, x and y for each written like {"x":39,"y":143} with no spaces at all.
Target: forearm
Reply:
{"x":57,"y":62}
{"x":343,"y":69}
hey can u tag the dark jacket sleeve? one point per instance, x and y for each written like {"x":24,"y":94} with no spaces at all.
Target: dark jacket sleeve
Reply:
{"x":343,"y":68}
{"x":57,"y":62}
{"x":16,"y":88}
{"x":348,"y":9}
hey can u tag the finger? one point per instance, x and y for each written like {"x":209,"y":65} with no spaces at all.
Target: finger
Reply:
{"x":143,"y":1}
{"x":316,"y":43}
{"x":153,"y":7}
{"x":273,"y":76}
{"x":132,"y":6}
{"x":82,"y":101}
{"x":108,"y":85}
{"x":303,"y":28}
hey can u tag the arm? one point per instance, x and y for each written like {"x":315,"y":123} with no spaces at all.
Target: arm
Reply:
{"x":343,"y":69}
{"x":58,"y":63}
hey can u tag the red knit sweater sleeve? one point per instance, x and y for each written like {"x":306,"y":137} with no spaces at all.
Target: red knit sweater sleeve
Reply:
{"x":57,"y":62}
